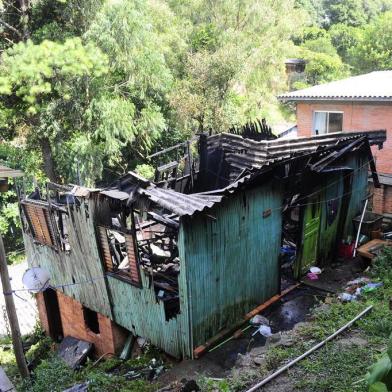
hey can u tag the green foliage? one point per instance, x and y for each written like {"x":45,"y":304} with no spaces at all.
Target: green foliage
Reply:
{"x":237,"y":65}
{"x":322,"y":67}
{"x":374,"y":50}
{"x":52,"y":374}
{"x":379,"y":376}
{"x":344,"y":38}
{"x":31,"y":72}
{"x":145,"y":170}
{"x":10,"y":226}
{"x":353,"y":12}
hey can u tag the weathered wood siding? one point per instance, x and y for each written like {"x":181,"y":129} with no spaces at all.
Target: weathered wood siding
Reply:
{"x":140,"y":312}
{"x":135,"y":309}
{"x":232,"y":263}
{"x":81,"y":265}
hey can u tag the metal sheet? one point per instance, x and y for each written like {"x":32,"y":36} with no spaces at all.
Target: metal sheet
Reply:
{"x":232,"y":262}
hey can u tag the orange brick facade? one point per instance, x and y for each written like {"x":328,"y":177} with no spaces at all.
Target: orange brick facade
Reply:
{"x":358,"y":116}
{"x":110,"y":339}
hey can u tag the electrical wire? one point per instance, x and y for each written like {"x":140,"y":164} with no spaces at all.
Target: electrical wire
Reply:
{"x":92,"y":280}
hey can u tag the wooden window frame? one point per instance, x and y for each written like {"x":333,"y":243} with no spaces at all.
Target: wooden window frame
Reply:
{"x":40,"y":222}
{"x":106,"y":256}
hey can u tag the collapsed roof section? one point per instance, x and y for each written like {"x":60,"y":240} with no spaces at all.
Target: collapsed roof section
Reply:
{"x":249,"y":161}
{"x":243,"y":153}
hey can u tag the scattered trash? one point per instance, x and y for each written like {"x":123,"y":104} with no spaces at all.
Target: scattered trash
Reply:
{"x":312,"y":276}
{"x":258,"y":319}
{"x":371,"y":287}
{"x":141,"y":341}
{"x":264,"y":330}
{"x":355,"y":288}
{"x":357,"y":281}
{"x":149,"y":372}
{"x":346,"y":297}
{"x":315,"y":270}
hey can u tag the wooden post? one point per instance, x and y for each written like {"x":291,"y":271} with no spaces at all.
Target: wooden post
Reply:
{"x":12,"y":317}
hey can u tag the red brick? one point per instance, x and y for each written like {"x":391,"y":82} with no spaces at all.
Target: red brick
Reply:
{"x":357,"y":116}
{"x":110,"y":339}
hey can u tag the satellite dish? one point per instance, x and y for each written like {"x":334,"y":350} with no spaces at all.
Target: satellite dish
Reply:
{"x":36,"y":279}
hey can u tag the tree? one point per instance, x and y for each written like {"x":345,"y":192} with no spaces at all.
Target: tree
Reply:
{"x":374,"y":49}
{"x":237,"y":63}
{"x":344,"y":38}
{"x":353,"y":12}
{"x":33,"y":76}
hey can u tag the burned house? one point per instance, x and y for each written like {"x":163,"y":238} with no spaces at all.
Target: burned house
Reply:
{"x":179,"y":259}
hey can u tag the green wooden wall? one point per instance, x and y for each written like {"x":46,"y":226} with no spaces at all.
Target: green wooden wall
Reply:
{"x":81,"y":264}
{"x":134,"y":309}
{"x":232,"y":261}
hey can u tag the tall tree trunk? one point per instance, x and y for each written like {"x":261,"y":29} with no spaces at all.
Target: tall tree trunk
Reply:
{"x":24,"y":6}
{"x":47,"y":155}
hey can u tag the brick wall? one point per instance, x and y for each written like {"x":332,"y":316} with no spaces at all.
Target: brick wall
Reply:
{"x":357,"y":116}
{"x":387,"y":199}
{"x":110,"y":339}
{"x":43,"y":317}
{"x":378,"y":199}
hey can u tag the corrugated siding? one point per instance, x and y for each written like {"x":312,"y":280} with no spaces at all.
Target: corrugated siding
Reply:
{"x":232,"y":262}
{"x":138,"y":311}
{"x":81,"y":264}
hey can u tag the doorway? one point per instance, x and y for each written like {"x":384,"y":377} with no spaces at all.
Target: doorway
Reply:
{"x":310,"y":236}
{"x":53,"y":314}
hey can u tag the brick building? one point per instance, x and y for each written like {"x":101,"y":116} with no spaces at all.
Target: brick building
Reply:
{"x":359,"y":103}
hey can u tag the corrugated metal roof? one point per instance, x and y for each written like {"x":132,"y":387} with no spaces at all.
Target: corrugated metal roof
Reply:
{"x":374,"y":86}
{"x":255,"y":157}
{"x":180,"y":203}
{"x":243,"y":153}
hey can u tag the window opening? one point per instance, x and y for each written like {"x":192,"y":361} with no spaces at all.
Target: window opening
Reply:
{"x":120,"y":254}
{"x":91,"y":320}
{"x":157,"y":236}
{"x":40,"y":222}
{"x":61,"y":219}
{"x":327,"y":122}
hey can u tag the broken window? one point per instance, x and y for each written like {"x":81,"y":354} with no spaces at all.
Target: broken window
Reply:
{"x":91,"y":320}
{"x":60,"y":218}
{"x":157,"y":235}
{"x":119,"y":254}
{"x":40,"y":222}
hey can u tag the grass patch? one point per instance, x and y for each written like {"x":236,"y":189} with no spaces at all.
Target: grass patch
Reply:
{"x":334,"y":367}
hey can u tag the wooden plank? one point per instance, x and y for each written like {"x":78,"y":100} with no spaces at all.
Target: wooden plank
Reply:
{"x":199,"y":351}
{"x":132,"y":259}
{"x":366,"y":249}
{"x":105,"y":248}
